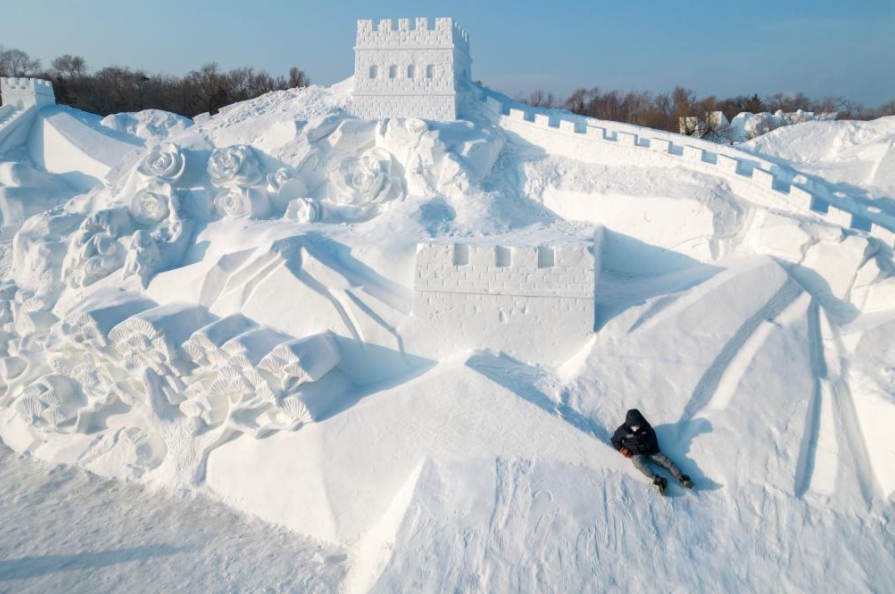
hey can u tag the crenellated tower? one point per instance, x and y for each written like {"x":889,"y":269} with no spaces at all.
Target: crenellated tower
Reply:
{"x":26,"y":92}
{"x":410,"y":71}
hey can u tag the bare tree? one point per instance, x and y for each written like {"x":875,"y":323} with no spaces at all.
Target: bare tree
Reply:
{"x":69,"y":66}
{"x":15,"y":62}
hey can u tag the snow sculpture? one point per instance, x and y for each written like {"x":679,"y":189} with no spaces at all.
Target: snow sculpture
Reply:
{"x":411,"y":71}
{"x":363,"y":183}
{"x":164,"y":161}
{"x":532,"y":302}
{"x":27,"y":92}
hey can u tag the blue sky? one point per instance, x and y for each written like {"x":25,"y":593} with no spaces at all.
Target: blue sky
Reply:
{"x":721,"y":48}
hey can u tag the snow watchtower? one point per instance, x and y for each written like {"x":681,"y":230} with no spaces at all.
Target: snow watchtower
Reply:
{"x":411,"y":71}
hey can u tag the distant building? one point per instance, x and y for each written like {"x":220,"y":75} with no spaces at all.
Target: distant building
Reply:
{"x":412,"y":71}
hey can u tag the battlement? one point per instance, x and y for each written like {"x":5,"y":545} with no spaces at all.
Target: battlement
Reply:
{"x":26,"y":92}
{"x":530,"y":301}
{"x":412,"y":33}
{"x":762,"y":182}
{"x":529,"y":271}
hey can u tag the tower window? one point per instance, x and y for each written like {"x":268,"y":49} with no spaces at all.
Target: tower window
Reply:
{"x":411,"y":71}
{"x":393,"y":72}
{"x":430,"y":71}
{"x":374,"y":71}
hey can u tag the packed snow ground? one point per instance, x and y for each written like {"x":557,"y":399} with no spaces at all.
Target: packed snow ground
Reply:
{"x":236,"y":309}
{"x":65,"y":530}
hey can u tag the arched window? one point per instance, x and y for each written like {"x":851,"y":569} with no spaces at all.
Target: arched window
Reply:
{"x":393,"y":72}
{"x":430,"y":71}
{"x":374,"y":71}
{"x":411,"y":71}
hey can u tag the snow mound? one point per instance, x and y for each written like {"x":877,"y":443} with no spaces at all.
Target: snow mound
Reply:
{"x":414,"y":339}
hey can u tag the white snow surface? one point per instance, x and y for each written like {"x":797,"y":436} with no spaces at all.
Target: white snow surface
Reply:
{"x":233,"y":312}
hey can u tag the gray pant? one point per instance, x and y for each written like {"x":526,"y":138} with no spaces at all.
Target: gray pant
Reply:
{"x":641,"y":462}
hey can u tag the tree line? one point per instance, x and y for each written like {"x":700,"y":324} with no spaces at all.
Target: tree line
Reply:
{"x":116,"y":89}
{"x":663,"y":111}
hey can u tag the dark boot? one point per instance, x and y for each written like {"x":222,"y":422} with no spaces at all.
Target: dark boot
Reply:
{"x":660,"y":484}
{"x":685,"y":481}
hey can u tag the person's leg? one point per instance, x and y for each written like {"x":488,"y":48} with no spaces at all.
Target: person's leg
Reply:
{"x":640,"y":462}
{"x":666,"y":463}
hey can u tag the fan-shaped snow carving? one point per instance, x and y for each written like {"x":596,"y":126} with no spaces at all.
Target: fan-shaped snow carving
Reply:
{"x":90,"y":324}
{"x":303,"y":360}
{"x":30,"y":408}
{"x":296,"y":410}
{"x":152,"y":338}
{"x":211,"y":338}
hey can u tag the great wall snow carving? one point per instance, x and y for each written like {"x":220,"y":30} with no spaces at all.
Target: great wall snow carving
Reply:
{"x":533,"y":302}
{"x":412,"y":71}
{"x":755,"y":179}
{"x":326,"y":320}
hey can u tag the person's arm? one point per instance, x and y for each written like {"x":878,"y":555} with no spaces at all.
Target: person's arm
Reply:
{"x":617,"y":438}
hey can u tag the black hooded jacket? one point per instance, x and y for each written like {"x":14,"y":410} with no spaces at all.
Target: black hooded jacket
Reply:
{"x":643,"y":442}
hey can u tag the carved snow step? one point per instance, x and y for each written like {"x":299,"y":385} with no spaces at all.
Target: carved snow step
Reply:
{"x":154,"y":336}
{"x":303,"y":360}
{"x":92,"y":323}
{"x":208,"y":340}
{"x":247,"y":349}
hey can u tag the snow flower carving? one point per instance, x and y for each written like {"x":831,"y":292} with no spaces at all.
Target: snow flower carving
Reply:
{"x":150,"y":206}
{"x":238,"y":203}
{"x":163,"y":161}
{"x":303,"y":210}
{"x":368,"y":179}
{"x":234,"y":165}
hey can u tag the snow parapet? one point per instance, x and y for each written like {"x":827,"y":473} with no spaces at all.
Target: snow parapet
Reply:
{"x":760,"y":182}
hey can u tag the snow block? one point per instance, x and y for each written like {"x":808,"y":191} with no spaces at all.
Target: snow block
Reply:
{"x":883,"y":234}
{"x":660,"y":145}
{"x":803,"y":198}
{"x":692,"y":153}
{"x":542,"y":120}
{"x":595,"y":133}
{"x":763,"y":178}
{"x":728,"y":164}
{"x":626,"y":139}
{"x":839,"y":217}
{"x":567,"y":126}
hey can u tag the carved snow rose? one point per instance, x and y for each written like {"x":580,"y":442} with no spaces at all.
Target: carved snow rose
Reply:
{"x":303,"y":210}
{"x":150,"y":206}
{"x":368,"y":179}
{"x":234,"y":165}
{"x":238,"y":203}
{"x":163,"y":161}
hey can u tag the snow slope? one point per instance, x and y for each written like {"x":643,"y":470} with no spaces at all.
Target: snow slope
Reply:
{"x":413,"y":340}
{"x":63,"y":529}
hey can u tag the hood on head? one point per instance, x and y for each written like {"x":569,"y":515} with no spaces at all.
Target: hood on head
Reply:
{"x":634,"y":418}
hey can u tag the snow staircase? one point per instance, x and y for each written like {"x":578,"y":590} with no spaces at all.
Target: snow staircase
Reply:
{"x":11,"y":132}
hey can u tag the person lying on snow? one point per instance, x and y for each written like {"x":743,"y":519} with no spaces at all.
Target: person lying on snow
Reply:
{"x":637,"y":440}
